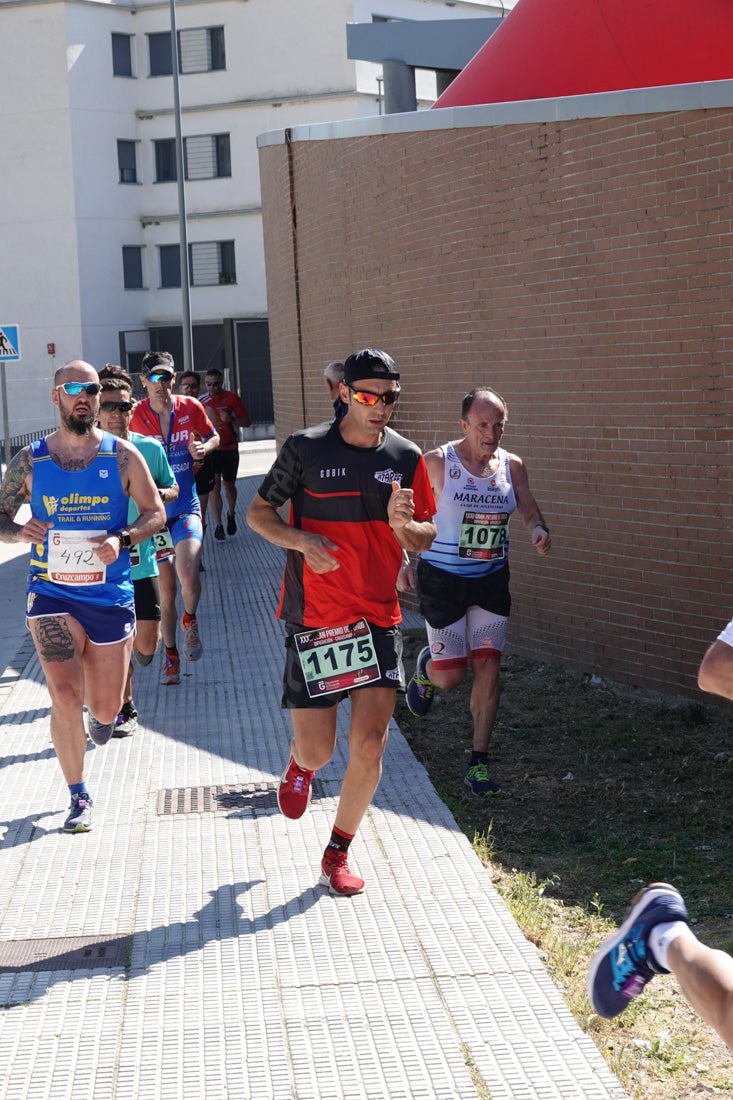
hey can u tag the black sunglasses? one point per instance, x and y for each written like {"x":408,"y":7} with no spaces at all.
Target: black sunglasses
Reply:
{"x":367,"y":397}
{"x":116,"y":406}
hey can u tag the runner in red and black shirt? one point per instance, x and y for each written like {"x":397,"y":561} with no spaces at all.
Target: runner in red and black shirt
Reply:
{"x":359,"y":493}
{"x":228,"y":413}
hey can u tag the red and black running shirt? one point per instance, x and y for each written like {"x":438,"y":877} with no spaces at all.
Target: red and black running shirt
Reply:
{"x":342,"y":491}
{"x":187,"y":417}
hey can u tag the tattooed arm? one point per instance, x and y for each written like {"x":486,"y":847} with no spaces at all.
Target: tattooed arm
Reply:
{"x":15,"y":491}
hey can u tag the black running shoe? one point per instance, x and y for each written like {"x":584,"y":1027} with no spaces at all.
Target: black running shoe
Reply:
{"x":126,"y":720}
{"x":81,"y":813}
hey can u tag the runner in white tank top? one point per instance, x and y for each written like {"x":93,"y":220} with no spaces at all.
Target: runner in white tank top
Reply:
{"x":463,"y":578}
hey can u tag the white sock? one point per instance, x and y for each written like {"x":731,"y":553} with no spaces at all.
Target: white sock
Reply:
{"x":661,"y":937}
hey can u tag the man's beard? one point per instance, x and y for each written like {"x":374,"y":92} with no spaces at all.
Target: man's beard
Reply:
{"x":78,"y":425}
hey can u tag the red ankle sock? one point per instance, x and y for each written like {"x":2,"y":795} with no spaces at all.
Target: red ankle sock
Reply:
{"x":188,"y":619}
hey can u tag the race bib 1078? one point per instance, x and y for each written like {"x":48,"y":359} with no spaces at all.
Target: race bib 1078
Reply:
{"x":483,"y":535}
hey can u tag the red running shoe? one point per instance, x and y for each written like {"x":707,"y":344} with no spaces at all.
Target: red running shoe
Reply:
{"x":335,"y":874}
{"x":294,"y":791}
{"x":170,"y":672}
{"x":192,"y":647}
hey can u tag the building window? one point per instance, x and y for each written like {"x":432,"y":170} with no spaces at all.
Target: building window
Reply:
{"x":127,"y":161}
{"x":165,"y":161}
{"x":170,"y":265}
{"x":200,"y":50}
{"x":207,"y":156}
{"x":160,"y":54}
{"x":122,"y":54}
{"x":212,"y":263}
{"x":132,"y":267}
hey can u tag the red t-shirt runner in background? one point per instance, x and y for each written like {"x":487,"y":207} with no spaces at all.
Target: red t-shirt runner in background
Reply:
{"x":234,"y":405}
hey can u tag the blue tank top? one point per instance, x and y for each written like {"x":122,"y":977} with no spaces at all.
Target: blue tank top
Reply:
{"x":472,"y":518}
{"x":76,"y":501}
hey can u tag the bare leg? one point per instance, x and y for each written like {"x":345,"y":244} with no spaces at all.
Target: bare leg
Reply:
{"x":716,"y":671}
{"x":314,"y":736}
{"x":215,"y":500}
{"x":371,"y":710}
{"x":446,"y":678}
{"x":60,"y":642}
{"x":76,"y":671}
{"x":127,"y":693}
{"x":188,"y":557}
{"x":168,"y":615}
{"x":147,"y":638}
{"x":105,"y":672}
{"x":705,"y":976}
{"x":484,"y":700}
{"x":230,"y":490}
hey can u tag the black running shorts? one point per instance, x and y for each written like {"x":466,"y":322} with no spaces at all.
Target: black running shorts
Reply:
{"x":147,"y":599}
{"x":445,"y":597}
{"x":205,"y":479}
{"x":388,"y":649}
{"x":226,"y":463}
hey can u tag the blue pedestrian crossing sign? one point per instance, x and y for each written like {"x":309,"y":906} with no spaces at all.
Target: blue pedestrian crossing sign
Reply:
{"x":9,"y":343}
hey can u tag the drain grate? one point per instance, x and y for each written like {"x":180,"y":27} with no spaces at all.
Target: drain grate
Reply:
{"x":253,"y":797}
{"x":65,"y":953}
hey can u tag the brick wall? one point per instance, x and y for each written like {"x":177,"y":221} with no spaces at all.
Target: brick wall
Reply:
{"x":581,"y":268}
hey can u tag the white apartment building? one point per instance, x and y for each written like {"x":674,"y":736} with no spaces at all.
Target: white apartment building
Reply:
{"x":88,"y":193}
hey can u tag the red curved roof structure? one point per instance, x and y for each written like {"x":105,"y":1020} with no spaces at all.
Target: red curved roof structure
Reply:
{"x":547,"y":48}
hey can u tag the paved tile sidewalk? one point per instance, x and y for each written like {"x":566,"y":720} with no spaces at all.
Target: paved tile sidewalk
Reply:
{"x":187,"y":948}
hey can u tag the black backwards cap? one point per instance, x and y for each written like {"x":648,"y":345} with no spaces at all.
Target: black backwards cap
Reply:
{"x":157,"y":362}
{"x":370,"y":363}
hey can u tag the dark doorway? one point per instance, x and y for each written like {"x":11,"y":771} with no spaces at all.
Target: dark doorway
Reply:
{"x":240,"y":349}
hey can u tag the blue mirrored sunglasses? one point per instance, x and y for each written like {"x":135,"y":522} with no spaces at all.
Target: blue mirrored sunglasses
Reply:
{"x":73,"y":389}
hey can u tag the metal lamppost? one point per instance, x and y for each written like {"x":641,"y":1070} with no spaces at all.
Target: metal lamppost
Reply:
{"x":187,"y":332}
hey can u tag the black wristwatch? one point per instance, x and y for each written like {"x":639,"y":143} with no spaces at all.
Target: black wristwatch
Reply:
{"x":124,"y":537}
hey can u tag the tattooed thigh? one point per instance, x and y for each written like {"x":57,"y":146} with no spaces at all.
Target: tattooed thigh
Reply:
{"x":53,"y":638}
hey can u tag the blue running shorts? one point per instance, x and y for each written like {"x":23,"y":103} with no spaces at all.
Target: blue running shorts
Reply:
{"x":102,"y":625}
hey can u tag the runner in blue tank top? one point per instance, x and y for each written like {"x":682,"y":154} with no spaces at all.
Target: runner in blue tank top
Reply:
{"x":463,"y":578}
{"x":79,"y":610}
